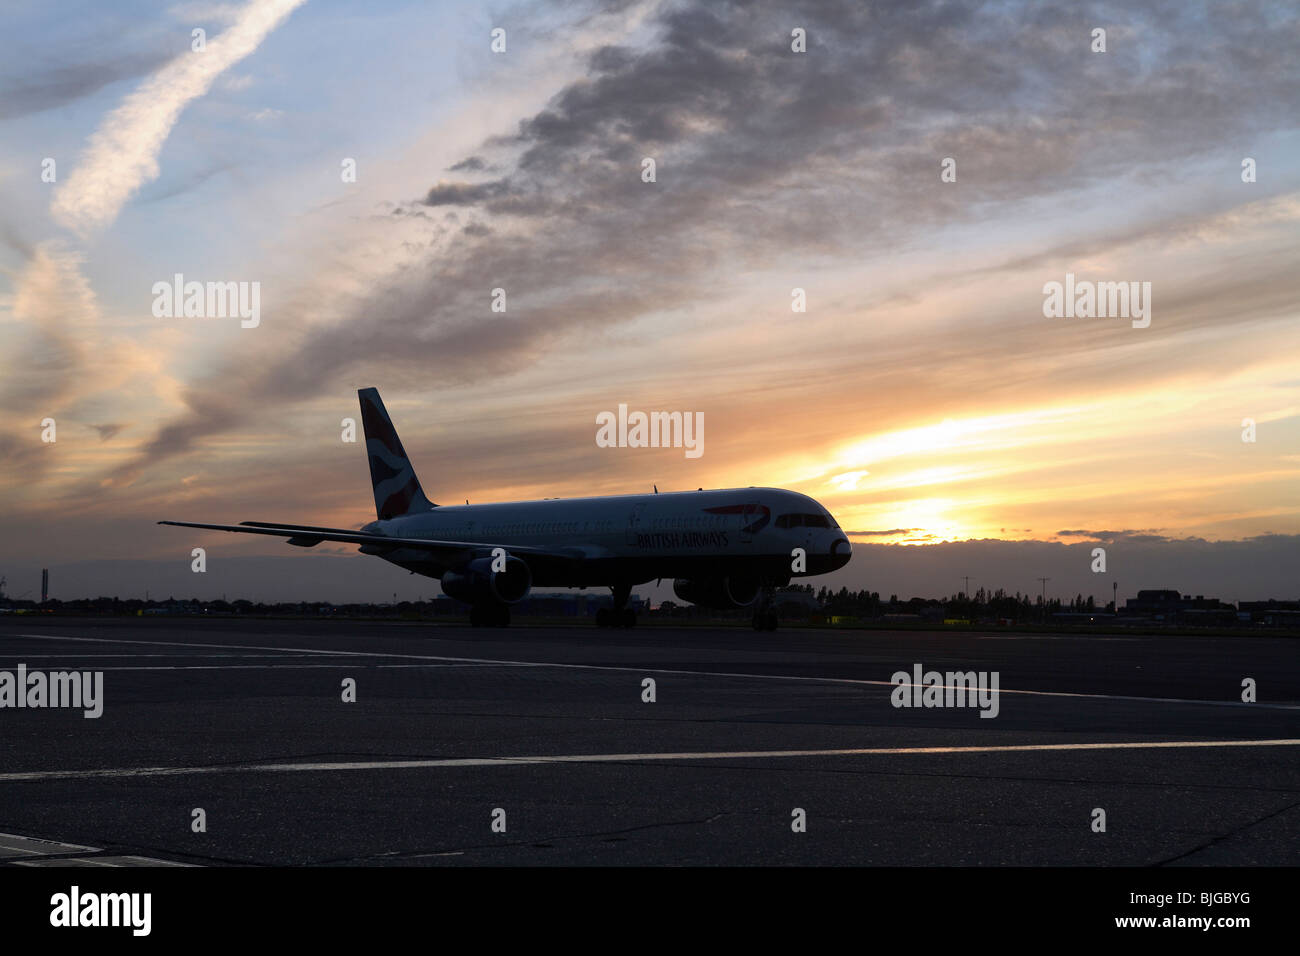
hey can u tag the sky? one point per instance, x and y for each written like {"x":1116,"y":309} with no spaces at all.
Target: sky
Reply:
{"x":925,"y":395}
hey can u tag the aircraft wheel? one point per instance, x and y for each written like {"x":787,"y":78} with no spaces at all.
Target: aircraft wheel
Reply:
{"x":602,"y":617}
{"x":629,"y":618}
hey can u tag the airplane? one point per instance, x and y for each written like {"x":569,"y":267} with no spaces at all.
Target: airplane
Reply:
{"x":724,"y":549}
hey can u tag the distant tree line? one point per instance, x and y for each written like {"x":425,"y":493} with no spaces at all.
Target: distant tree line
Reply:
{"x":982,"y":604}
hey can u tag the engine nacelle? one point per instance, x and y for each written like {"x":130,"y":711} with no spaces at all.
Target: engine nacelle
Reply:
{"x":477,"y":583}
{"x":723,"y":593}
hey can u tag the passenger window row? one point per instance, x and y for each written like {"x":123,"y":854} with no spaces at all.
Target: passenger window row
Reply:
{"x":677,"y":523}
{"x":490,"y":531}
{"x":803,"y":521}
{"x":688,"y":523}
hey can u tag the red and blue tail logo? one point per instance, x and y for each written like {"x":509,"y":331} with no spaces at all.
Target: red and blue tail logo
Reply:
{"x":397,"y":489}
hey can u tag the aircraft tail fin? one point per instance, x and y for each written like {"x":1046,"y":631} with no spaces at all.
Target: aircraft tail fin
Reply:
{"x":397,"y":489}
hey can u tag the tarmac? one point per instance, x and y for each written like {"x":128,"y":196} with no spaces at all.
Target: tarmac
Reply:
{"x":538,"y":745}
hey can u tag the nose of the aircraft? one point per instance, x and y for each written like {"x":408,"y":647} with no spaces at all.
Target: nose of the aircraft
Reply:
{"x":841,"y":551}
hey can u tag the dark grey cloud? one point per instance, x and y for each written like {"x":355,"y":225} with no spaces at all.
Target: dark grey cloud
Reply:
{"x":167,"y":188}
{"x":761,"y":151}
{"x":1254,"y":569}
{"x":52,"y":86}
{"x":1148,"y":536}
{"x":108,"y":431}
{"x":883,"y":534}
{"x":1251,"y":569}
{"x":463,"y":194}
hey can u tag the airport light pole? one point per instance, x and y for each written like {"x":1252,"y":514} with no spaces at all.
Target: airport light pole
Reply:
{"x":1044,"y":581}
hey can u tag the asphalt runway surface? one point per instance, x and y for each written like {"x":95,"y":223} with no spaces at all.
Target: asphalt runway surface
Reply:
{"x":546,"y":728}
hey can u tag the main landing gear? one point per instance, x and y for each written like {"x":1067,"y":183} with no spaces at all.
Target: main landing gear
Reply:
{"x":489,"y":615}
{"x":620,"y":615}
{"x":765,"y":614}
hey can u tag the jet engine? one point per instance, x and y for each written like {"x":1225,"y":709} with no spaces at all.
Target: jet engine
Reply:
{"x":722,"y":593}
{"x":477,"y":583}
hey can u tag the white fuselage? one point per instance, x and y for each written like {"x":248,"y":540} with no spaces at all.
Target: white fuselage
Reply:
{"x":640,"y":537}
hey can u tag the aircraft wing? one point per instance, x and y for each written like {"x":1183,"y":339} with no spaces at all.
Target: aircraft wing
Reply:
{"x":307,"y":536}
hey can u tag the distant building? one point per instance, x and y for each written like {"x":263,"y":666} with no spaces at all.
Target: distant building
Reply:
{"x":1171,"y":607}
{"x":1271,"y":612}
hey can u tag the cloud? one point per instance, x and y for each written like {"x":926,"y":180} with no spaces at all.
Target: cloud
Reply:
{"x":166,"y":190}
{"x":1253,"y":568}
{"x":764,"y":157}
{"x":202,"y":12}
{"x":463,"y":194}
{"x":1148,"y":536}
{"x":107,"y":431}
{"x":473,"y":164}
{"x":122,"y":154}
{"x":67,"y":363}
{"x":57,"y":311}
{"x":57,"y":86}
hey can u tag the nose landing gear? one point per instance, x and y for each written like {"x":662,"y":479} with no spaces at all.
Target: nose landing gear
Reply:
{"x":620,"y":615}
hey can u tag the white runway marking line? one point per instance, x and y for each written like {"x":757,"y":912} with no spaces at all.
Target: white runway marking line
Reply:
{"x":62,"y":862}
{"x":224,"y":647}
{"x":14,"y":844}
{"x":85,"y":657}
{"x":453,"y":762}
{"x":116,"y":861}
{"x":658,"y":670}
{"x":37,"y":852}
{"x":261,"y":667}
